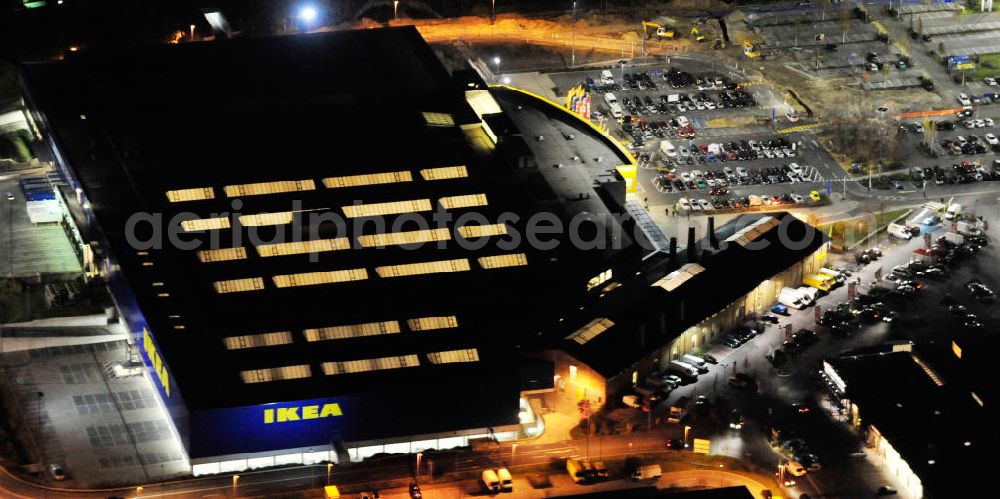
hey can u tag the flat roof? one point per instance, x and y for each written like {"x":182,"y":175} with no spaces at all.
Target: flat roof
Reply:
{"x":916,"y":397}
{"x":261,"y":133}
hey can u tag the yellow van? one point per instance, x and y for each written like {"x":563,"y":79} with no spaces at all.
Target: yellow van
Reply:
{"x":820,"y":282}
{"x":580,"y":470}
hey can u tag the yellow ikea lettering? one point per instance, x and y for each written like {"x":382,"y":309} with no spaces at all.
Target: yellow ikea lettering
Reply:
{"x":288,"y":414}
{"x":154,"y":358}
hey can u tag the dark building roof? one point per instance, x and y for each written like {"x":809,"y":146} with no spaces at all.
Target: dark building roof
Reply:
{"x":747,"y":251}
{"x":916,"y":398}
{"x":314,"y":111}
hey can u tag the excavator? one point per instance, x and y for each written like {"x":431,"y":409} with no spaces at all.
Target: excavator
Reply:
{"x":657,"y":30}
{"x":750,"y":50}
{"x":696,"y":34}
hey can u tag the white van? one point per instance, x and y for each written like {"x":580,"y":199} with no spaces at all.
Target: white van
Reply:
{"x":491,"y":481}
{"x":792,"y":298}
{"x":506,"y":480}
{"x":900,"y":231}
{"x":667,"y":148}
{"x":809,"y":294}
{"x":606,"y":77}
{"x":647,"y":472}
{"x":954,"y":211}
{"x":683,"y":368}
{"x":673,"y":98}
{"x":696,"y":362}
{"x":613,"y":105}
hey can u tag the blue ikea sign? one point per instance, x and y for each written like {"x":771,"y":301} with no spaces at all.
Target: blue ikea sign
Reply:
{"x":268,"y":427}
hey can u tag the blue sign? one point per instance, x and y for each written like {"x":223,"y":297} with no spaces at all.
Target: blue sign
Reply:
{"x":829,"y":187}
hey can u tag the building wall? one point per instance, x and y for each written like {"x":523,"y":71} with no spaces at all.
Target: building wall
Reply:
{"x":894,"y":462}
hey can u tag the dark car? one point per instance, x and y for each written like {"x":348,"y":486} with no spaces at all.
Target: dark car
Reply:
{"x":710,"y":359}
{"x":415,"y":491}
{"x":886,"y":490}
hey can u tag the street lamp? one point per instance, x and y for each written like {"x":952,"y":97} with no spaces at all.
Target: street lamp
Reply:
{"x":138,"y":491}
{"x":395,"y":9}
{"x":329,"y":468}
{"x":513,"y":448}
{"x":496,"y":62}
{"x":573,"y":57}
{"x":308,"y":14}
{"x":236,"y":481}
{"x":419,"y":456}
{"x":687,"y":429}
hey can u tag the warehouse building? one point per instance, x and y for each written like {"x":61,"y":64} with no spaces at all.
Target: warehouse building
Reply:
{"x":304,"y":236}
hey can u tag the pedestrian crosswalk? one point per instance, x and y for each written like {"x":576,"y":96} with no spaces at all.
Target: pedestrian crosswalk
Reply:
{"x":798,"y":128}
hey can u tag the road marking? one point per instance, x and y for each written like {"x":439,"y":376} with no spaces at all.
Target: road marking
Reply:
{"x":798,"y":128}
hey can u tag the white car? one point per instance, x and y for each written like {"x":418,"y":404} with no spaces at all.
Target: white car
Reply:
{"x":980,"y":123}
{"x":991,"y":139}
{"x":768,"y":154}
{"x":778,"y":153}
{"x":695,"y":205}
{"x":969,"y":123}
{"x":685,"y":177}
{"x":796,"y":198}
{"x":789,"y":153}
{"x":709,"y":105}
{"x":988,"y":121}
{"x":684,"y":204}
{"x":961,"y":140}
{"x":917,"y":127}
{"x":990,"y":81}
{"x":697,"y":174}
{"x":712,"y":183}
{"x":742,"y":171}
{"x":964,"y":100}
{"x":795,"y":168}
{"x":699,"y":106}
{"x":704,"y":204}
{"x":728,"y":171}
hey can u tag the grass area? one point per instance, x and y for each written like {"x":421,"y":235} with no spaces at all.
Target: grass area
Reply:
{"x":847,"y":233}
{"x":989,"y":66}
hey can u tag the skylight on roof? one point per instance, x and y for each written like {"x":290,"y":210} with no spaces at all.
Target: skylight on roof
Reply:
{"x":453,"y":356}
{"x":473,"y":231}
{"x":438,"y":119}
{"x":501,"y":261}
{"x":591,"y":330}
{"x":276,"y":373}
{"x":464,"y":201}
{"x":261,"y":188}
{"x":674,"y":279}
{"x":456,"y":265}
{"x":367,"y":179}
{"x":264,"y":219}
{"x":389,"y":208}
{"x":303,"y":247}
{"x":196,"y":194}
{"x":401,"y":238}
{"x":444,"y":173}
{"x":222,"y":255}
{"x":314,"y":278}
{"x":201,"y":224}
{"x":257,"y":340}
{"x":239,"y":285}
{"x":367,"y":365}
{"x":351,"y":331}
{"x":432,"y":323}
{"x":754,"y":231}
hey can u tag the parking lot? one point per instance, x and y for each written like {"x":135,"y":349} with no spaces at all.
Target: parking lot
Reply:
{"x":98,"y":428}
{"x":28,"y":249}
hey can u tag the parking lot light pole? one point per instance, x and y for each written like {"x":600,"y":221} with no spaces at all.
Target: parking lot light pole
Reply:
{"x":513,"y":450}
{"x":395,"y":9}
{"x":329,"y":469}
{"x":573,"y":56}
{"x":687,"y":429}
{"x":496,"y":62}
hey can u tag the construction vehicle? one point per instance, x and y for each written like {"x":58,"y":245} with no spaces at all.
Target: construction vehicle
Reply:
{"x":696,"y":34}
{"x":658,"y":31}
{"x":718,"y":44}
{"x":750,"y":50}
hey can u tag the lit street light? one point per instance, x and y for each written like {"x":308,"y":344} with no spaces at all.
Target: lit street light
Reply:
{"x":573,"y":57}
{"x":419,"y":455}
{"x":236,"y":482}
{"x":308,"y":14}
{"x":687,"y":429}
{"x":329,"y":468}
{"x":192,"y":32}
{"x":513,"y":448}
{"x":496,"y":62}
{"x":395,"y":9}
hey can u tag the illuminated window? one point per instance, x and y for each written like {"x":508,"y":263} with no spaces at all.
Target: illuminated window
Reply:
{"x":269,"y":188}
{"x":200,"y":224}
{"x":457,"y":265}
{"x":390,"y":208}
{"x":258,"y":340}
{"x":599,"y":279}
{"x":366,"y":365}
{"x":239,"y":285}
{"x":196,"y":194}
{"x":444,"y":173}
{"x":222,"y":255}
{"x":368,"y":179}
{"x":465,"y":201}
{"x":314,"y":278}
{"x":276,"y":373}
{"x":400,"y":238}
{"x":262,"y":219}
{"x":674,"y":279}
{"x":501,"y":261}
{"x":302,"y":247}
{"x":438,"y":119}
{"x":163,"y":295}
{"x":432,"y":323}
{"x":591,"y":330}
{"x":351,"y":331}
{"x":453,"y":356}
{"x":472,"y":231}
